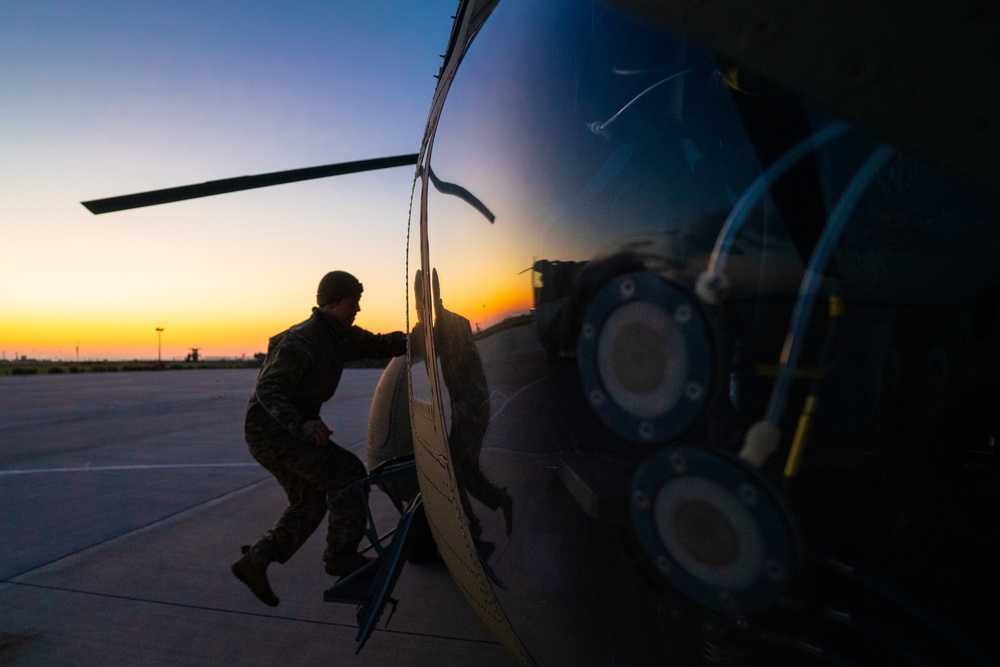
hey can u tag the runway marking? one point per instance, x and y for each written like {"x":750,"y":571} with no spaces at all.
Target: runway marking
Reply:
{"x":160,"y":466}
{"x":239,"y":612}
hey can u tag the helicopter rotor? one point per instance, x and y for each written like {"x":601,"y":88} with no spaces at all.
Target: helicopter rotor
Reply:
{"x":209,"y":188}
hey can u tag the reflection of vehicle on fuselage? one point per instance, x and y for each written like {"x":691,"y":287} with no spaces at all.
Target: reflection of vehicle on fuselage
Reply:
{"x":551,"y":283}
{"x":469,"y":400}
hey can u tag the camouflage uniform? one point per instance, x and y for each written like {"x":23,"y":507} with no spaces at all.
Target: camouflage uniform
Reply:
{"x":463,"y":375}
{"x":301,"y":372}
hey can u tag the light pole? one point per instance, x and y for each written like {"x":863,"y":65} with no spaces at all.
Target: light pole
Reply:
{"x":159,"y":335}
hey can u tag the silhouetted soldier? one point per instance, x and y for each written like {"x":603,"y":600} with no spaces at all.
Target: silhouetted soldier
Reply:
{"x":285,"y":434}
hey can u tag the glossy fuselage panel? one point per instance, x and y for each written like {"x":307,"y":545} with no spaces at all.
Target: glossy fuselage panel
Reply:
{"x":577,"y":147}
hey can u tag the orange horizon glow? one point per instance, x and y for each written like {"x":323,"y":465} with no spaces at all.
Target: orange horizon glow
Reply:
{"x":69,"y":337}
{"x":485,"y":307}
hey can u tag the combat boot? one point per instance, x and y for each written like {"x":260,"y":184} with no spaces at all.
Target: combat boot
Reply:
{"x":251,"y":569}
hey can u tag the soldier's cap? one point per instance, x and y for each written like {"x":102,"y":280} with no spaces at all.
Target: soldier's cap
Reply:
{"x":337,"y":285}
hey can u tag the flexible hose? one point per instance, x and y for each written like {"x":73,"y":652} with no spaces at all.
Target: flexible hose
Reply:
{"x":814,"y":276}
{"x":763,"y":438}
{"x":756,"y":191}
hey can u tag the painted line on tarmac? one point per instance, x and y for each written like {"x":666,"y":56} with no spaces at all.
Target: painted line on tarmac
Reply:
{"x":162,"y":466}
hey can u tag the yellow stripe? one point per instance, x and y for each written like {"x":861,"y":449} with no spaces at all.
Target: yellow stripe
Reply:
{"x":801,"y":437}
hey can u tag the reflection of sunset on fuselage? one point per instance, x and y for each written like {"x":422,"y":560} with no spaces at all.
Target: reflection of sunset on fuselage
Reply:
{"x":487,"y":305}
{"x":494,"y":283}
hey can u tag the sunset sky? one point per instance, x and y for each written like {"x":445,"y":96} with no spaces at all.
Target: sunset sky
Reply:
{"x":100,"y":98}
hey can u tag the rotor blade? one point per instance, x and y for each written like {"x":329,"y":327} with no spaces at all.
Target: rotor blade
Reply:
{"x":209,"y":188}
{"x":457,"y":190}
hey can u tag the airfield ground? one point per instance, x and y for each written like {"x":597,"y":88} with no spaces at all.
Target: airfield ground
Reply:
{"x":124,"y":497}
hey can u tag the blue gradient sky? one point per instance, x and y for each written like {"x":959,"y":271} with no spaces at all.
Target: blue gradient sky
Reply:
{"x":103,"y":98}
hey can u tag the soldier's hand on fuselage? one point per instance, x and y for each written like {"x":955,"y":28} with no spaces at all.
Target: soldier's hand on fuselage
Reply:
{"x":317,"y":431}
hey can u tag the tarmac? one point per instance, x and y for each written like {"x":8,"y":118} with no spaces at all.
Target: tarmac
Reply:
{"x":124,"y":499}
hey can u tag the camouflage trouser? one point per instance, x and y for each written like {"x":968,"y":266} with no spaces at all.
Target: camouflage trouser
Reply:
{"x":311,"y":476}
{"x":465,"y":442}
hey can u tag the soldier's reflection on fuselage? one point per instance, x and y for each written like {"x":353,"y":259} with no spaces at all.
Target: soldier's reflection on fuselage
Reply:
{"x":469,"y":400}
